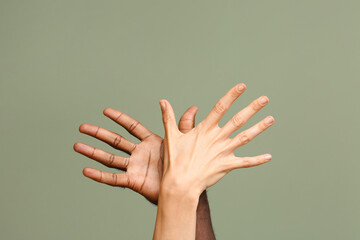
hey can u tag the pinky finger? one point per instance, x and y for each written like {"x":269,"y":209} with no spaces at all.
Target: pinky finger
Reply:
{"x":245,"y":162}
{"x":113,"y":179}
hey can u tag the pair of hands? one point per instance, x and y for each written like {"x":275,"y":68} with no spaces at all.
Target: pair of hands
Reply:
{"x":194,"y":158}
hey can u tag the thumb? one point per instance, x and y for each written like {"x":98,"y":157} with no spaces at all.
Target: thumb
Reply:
{"x":168,"y":116}
{"x":187,"y":120}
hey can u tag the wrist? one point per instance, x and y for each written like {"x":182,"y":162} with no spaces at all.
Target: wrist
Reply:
{"x":174,"y":200}
{"x":185,"y":202}
{"x":174,"y":186}
{"x":176,"y":213}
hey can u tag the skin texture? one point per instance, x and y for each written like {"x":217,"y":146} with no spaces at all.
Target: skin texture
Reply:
{"x":143,"y":168}
{"x":196,"y":160}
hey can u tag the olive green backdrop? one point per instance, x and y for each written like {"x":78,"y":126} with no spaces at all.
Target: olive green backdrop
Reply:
{"x":63,"y":62}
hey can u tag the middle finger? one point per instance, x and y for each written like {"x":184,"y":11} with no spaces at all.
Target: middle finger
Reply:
{"x":111,"y":138}
{"x":244,"y":115}
{"x":108,"y":159}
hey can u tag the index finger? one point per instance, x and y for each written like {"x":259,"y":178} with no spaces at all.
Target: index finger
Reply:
{"x":224,"y":104}
{"x":131,"y":125}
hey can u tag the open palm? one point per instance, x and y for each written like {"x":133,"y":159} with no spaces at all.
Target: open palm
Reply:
{"x":143,"y":168}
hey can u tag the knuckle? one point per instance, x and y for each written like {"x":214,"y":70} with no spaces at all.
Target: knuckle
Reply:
{"x":147,"y":136}
{"x":219,"y":108}
{"x":263,"y":125}
{"x":166,"y":118}
{"x":97,"y":131}
{"x":117,"y":141}
{"x":118,"y":117}
{"x":244,"y":139}
{"x":133,"y":147}
{"x":183,"y":129}
{"x":133,"y":126}
{"x":235,"y":92}
{"x":246,"y":163}
{"x":114,"y":178}
{"x":186,"y":119}
{"x":128,"y":182}
{"x":93,"y":152}
{"x":256,"y":105}
{"x":111,"y":159}
{"x":237,"y":121}
{"x":126,"y":162}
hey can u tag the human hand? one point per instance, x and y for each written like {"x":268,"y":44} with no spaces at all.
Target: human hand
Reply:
{"x":198,"y":159}
{"x":144,"y":165}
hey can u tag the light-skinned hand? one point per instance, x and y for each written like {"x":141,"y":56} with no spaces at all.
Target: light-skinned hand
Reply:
{"x":196,"y":160}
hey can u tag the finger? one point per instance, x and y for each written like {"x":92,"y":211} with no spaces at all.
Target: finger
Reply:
{"x":168,"y":117}
{"x":245,"y":162}
{"x":113,"y":179}
{"x":111,"y":138}
{"x":131,"y":125}
{"x":108,"y":159}
{"x":224,"y":103}
{"x":249,"y":134}
{"x":187,"y":120}
{"x":244,"y":115}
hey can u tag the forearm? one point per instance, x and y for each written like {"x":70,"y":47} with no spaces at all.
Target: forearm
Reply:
{"x":176,"y":216}
{"x":204,"y":230}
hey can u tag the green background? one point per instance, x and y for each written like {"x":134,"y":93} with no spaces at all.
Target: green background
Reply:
{"x":63,"y":62}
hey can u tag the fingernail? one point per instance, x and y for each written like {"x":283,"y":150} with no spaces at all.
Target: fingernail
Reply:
{"x":163,"y":105}
{"x":263,"y":100}
{"x":268,"y":157}
{"x":269,"y":120}
{"x":241,"y":87}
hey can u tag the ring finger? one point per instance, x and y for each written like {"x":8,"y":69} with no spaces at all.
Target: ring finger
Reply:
{"x":249,"y":134}
{"x":244,"y":115}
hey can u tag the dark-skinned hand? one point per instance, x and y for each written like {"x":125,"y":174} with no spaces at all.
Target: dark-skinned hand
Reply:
{"x":143,"y":168}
